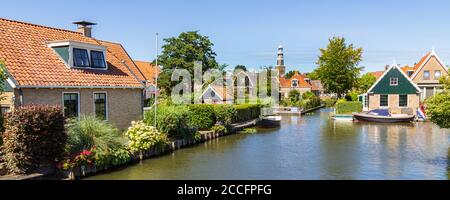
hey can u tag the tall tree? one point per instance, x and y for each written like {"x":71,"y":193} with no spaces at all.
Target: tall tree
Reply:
{"x":338,"y":66}
{"x":365,"y":82}
{"x":290,"y":74}
{"x":438,"y":106}
{"x":241,"y":67}
{"x":182,"y":52}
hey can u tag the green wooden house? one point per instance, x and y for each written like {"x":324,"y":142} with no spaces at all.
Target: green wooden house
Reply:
{"x":395,"y":91}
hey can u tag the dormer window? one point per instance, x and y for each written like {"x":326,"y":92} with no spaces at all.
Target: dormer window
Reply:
{"x":98,"y":59}
{"x":81,"y":55}
{"x":295,"y":83}
{"x":80,"y":58}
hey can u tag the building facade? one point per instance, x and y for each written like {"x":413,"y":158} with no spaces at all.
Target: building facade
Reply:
{"x":83,"y":75}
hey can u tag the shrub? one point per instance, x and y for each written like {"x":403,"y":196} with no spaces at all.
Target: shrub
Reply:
{"x":89,"y":132}
{"x":246,"y":112}
{"x":352,"y":96}
{"x":171,"y":120}
{"x":34,"y":136}
{"x":330,"y":102}
{"x":350,"y":107}
{"x":120,"y":157}
{"x":202,"y":116}
{"x":220,"y":129}
{"x":224,"y":114}
{"x":143,"y":137}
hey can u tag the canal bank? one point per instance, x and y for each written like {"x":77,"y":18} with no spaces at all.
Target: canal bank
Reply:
{"x":305,"y":148}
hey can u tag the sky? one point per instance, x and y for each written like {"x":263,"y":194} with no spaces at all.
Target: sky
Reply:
{"x":249,"y":32}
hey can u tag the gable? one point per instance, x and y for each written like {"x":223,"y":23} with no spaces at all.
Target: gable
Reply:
{"x":405,"y":86}
{"x":211,"y":94}
{"x":432,"y":64}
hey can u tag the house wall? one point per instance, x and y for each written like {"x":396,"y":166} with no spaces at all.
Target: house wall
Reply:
{"x":124,"y":105}
{"x":393,"y":101}
{"x":432,"y":65}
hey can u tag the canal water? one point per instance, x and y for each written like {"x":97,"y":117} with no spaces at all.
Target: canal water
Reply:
{"x":305,"y":148}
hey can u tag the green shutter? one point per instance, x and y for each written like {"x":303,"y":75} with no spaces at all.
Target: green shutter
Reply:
{"x":404,"y":85}
{"x":63,"y":52}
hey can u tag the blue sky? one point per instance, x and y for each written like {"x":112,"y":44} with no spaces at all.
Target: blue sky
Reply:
{"x":248,"y":32}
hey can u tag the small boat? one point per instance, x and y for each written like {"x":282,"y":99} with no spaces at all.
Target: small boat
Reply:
{"x":342,"y":117}
{"x":383,"y":116}
{"x":271,"y":121}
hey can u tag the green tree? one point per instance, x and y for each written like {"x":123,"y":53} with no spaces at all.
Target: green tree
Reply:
{"x":313,"y":75}
{"x":182,"y":52}
{"x":241,"y":67}
{"x":438,"y":106}
{"x":294,"y":96}
{"x":365,"y":82}
{"x":338,"y":66}
{"x":290,"y":74}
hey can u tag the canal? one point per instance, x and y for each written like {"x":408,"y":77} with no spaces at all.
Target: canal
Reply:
{"x":308,"y":147}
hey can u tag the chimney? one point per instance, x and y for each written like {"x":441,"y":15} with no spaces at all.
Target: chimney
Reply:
{"x":85,"y":27}
{"x":386,"y":67}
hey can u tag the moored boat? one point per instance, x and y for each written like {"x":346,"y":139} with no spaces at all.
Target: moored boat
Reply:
{"x":271,"y":121}
{"x":369,"y":117}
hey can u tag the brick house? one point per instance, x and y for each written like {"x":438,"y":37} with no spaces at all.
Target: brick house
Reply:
{"x":84,"y":75}
{"x":395,"y":91}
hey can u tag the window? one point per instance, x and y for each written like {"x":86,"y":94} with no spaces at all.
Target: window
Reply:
{"x":384,"y":101}
{"x":437,"y":74}
{"x":71,"y":105}
{"x":80,"y":57}
{"x":100,"y":106}
{"x":394,"y":81}
{"x":410,"y":73}
{"x":426,"y":75}
{"x":294,"y":83}
{"x":98,"y":59}
{"x":403,"y":100}
{"x":213,"y":94}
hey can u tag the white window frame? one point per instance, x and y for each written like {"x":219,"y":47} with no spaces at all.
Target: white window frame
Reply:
{"x":79,"y":45}
{"x":440,"y":74}
{"x":429,"y":75}
{"x":379,"y":103}
{"x":79,"y":102}
{"x":393,"y":81}
{"x":107,"y":103}
{"x":407,"y":101}
{"x":292,"y":83}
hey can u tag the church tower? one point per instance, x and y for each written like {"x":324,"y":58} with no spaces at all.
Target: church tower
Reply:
{"x":280,"y":61}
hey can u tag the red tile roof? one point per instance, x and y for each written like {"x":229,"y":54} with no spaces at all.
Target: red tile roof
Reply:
{"x":32,"y":63}
{"x":287,"y":83}
{"x":148,"y":70}
{"x":377,"y":74}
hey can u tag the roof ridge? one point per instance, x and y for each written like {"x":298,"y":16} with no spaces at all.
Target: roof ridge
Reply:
{"x":41,"y":26}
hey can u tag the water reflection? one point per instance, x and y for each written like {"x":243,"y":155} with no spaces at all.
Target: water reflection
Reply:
{"x":309,"y":147}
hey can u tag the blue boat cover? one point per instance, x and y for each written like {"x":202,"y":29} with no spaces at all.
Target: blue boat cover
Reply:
{"x":380,"y":112}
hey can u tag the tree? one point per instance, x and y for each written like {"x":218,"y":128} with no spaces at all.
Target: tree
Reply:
{"x":241,"y":67}
{"x":365,"y":82}
{"x":438,"y":106}
{"x":338,"y":66}
{"x":290,"y":74}
{"x":3,"y":77}
{"x":181,"y":52}
{"x":313,"y":75}
{"x":294,"y":96}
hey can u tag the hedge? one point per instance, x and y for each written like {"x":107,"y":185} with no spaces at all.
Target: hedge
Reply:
{"x":344,"y":108}
{"x":202,"y":116}
{"x":171,"y":120}
{"x":34,"y":136}
{"x":246,"y":112}
{"x":224,"y":114}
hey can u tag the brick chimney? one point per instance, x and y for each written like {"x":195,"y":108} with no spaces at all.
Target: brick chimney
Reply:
{"x":85,"y":27}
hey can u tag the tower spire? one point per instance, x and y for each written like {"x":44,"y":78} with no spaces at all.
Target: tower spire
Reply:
{"x":280,"y":60}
